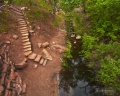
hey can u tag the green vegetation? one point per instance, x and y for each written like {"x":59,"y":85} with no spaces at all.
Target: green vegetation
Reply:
{"x":97,"y":21}
{"x":4,"y":22}
{"x":68,"y":51}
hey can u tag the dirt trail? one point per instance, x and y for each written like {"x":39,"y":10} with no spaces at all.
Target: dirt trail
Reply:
{"x":41,"y":81}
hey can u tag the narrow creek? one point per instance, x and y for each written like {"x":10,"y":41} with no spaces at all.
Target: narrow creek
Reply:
{"x":78,"y":79}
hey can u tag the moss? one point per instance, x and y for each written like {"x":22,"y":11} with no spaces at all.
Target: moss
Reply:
{"x":5,"y":22}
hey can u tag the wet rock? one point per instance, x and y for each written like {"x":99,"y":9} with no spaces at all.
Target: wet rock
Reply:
{"x":78,"y":37}
{"x":31,"y":31}
{"x":46,"y":44}
{"x":39,"y":45}
{"x":15,"y":37}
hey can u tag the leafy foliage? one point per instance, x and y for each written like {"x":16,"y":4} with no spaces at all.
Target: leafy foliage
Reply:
{"x":99,"y":27}
{"x":68,"y":51}
{"x":110,"y":70}
{"x":105,"y":17}
{"x":69,"y":5}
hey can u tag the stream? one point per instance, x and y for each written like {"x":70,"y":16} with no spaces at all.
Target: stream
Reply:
{"x":78,"y":79}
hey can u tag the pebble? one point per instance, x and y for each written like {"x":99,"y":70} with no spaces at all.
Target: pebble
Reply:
{"x":39,"y":45}
{"x":74,"y":42}
{"x":5,"y":32}
{"x":7,"y":42}
{"x":31,"y":31}
{"x":73,"y":35}
{"x":53,"y":43}
{"x":23,"y":8}
{"x":15,"y":37}
{"x":38,"y":28}
{"x":35,"y":66}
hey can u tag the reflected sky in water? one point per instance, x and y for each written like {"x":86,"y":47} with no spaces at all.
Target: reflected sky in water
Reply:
{"x":78,"y":80}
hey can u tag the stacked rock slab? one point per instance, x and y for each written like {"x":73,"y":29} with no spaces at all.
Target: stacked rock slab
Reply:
{"x":26,"y":43}
{"x":11,"y":83}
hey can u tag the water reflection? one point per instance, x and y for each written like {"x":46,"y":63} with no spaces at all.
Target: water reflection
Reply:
{"x":78,"y":80}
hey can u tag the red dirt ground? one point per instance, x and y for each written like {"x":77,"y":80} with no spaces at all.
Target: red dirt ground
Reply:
{"x":41,"y":81}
